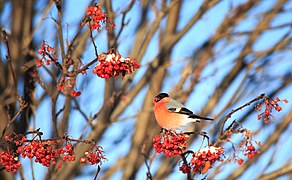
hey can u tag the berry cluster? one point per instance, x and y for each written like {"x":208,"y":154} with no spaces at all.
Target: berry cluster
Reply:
{"x":250,"y":151}
{"x":269,"y":104}
{"x":46,"y":152}
{"x":95,"y":16}
{"x":48,"y":55}
{"x":185,"y":168}
{"x":112,"y":64}
{"x":68,"y":83}
{"x":43,"y":152}
{"x":9,"y":161}
{"x":170,"y":143}
{"x":93,"y":156}
{"x":246,"y":145}
{"x":66,"y":152}
{"x":202,"y":160}
{"x":75,"y":93}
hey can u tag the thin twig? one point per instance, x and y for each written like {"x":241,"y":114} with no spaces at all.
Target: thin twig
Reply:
{"x":204,"y":134}
{"x":148,"y":173}
{"x":60,"y":111}
{"x":70,"y":47}
{"x":60,"y":29}
{"x":72,"y":74}
{"x":123,"y":23}
{"x":97,"y":172}
{"x":92,"y":40}
{"x":237,"y":109}
{"x":23,"y":105}
{"x":80,"y":110}
{"x":8,"y":57}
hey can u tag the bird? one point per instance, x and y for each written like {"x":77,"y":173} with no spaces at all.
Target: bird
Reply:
{"x":170,"y":114}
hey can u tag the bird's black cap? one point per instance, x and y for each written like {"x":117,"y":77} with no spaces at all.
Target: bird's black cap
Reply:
{"x":160,"y":96}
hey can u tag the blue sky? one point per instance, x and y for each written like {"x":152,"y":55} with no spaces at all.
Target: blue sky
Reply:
{"x":93,"y":91}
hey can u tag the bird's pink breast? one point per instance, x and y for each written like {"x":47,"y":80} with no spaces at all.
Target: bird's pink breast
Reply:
{"x":169,"y":120}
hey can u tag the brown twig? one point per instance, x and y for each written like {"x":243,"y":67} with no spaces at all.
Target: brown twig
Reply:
{"x":92,"y":40}
{"x":39,"y":135}
{"x":80,"y":110}
{"x":8,"y":57}
{"x":59,"y":5}
{"x":70,"y":47}
{"x":72,"y":74}
{"x":97,"y":172}
{"x":148,"y":173}
{"x":23,"y":105}
{"x":237,"y":109}
{"x":123,"y":23}
{"x":204,"y":134}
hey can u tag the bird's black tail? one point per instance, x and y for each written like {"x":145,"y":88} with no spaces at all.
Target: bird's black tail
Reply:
{"x":194,"y":116}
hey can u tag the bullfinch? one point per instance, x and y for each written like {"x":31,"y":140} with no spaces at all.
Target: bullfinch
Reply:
{"x":171,"y":114}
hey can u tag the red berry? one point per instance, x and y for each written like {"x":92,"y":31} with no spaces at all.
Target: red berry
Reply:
{"x":251,"y":148}
{"x":240,"y":161}
{"x":277,"y":99}
{"x":278,"y":108}
{"x":78,"y":93}
{"x":267,"y":112}
{"x":59,"y":166}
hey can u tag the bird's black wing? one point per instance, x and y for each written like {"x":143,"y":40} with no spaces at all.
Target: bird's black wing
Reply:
{"x":181,"y":110}
{"x":194,"y":116}
{"x":185,"y":111}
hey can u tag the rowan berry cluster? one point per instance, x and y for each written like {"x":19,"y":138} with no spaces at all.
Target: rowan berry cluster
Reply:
{"x":46,"y":152}
{"x":9,"y":161}
{"x":95,"y":16}
{"x":93,"y":156}
{"x":48,"y":55}
{"x":185,"y":168}
{"x":205,"y":158}
{"x":170,"y":143}
{"x":112,"y":64}
{"x":249,"y":151}
{"x":43,"y":152}
{"x":269,"y":105}
{"x":68,"y":83}
{"x":246,"y":146}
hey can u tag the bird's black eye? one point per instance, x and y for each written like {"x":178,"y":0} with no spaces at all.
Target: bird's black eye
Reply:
{"x":155,"y":100}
